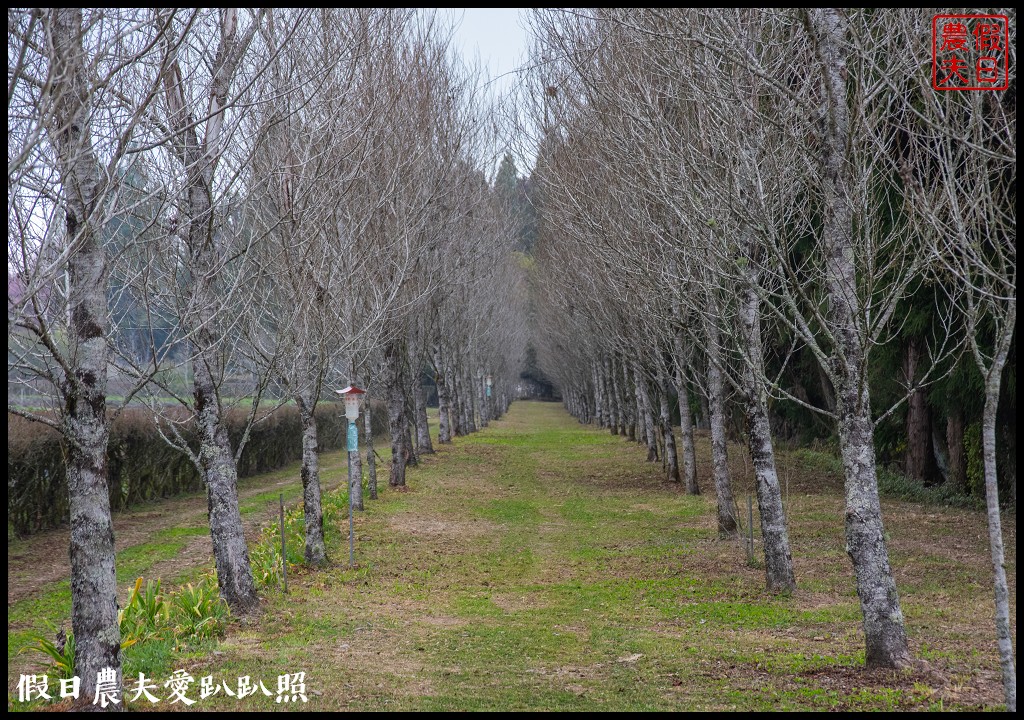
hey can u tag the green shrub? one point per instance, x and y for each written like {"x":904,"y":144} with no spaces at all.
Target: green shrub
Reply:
{"x":146,"y":616}
{"x":897,"y":485}
{"x":198,"y":612}
{"x":60,"y":651}
{"x":141,"y":465}
{"x":265,"y":560}
{"x":151,"y":625}
{"x":265,"y":555}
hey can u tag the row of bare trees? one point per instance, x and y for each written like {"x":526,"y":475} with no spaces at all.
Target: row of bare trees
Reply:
{"x":279,"y":200}
{"x":723,"y":190}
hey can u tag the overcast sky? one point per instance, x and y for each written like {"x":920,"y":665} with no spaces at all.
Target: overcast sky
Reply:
{"x":497,"y":36}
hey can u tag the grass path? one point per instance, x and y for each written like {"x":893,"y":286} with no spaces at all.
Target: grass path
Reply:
{"x":168,"y":539}
{"x":540,"y":564}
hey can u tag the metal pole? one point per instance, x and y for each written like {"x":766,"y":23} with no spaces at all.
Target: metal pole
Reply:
{"x":351,"y":534}
{"x":350,"y":425}
{"x":284,"y":553}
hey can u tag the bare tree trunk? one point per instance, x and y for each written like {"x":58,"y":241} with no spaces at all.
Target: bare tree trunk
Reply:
{"x":778,"y":560}
{"x":703,"y":420}
{"x":396,"y":413}
{"x":492,"y":405}
{"x":231,"y":555}
{"x":611,"y":400}
{"x":413,"y":458}
{"x":686,"y":437}
{"x":454,"y":405}
{"x":93,"y":581}
{"x":469,"y":398}
{"x":460,"y":393}
{"x":885,"y":636}
{"x":689,"y":467}
{"x":423,"y":444}
{"x":644,"y":401}
{"x":357,"y":466}
{"x":719,"y":457}
{"x":957,"y":452}
{"x":633,"y":401}
{"x":993,"y":381}
{"x":371,"y":456}
{"x":671,"y":456}
{"x":619,"y":395}
{"x":316,"y":550}
{"x":419,"y":401}
{"x":93,"y":585}
{"x":865,"y":540}
{"x":920,"y":461}
{"x":216,"y":460}
{"x":444,"y":433}
{"x":598,"y":395}
{"x":481,"y":388}
{"x":478,"y":398}
{"x":628,"y":400}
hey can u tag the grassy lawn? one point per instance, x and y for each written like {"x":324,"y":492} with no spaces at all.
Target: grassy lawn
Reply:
{"x":541,"y":564}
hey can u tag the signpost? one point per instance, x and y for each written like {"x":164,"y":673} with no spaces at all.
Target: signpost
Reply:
{"x":352,"y":396}
{"x":487,"y":399}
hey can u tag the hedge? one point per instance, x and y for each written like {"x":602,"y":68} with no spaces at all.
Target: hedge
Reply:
{"x":142,"y":466}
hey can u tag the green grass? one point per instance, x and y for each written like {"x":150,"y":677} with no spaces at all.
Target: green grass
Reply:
{"x":542,"y":565}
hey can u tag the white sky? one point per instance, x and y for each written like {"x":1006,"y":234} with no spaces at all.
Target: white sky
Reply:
{"x":497,"y":37}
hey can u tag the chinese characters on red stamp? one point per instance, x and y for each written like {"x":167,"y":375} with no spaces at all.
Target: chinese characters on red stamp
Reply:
{"x":969,"y":52}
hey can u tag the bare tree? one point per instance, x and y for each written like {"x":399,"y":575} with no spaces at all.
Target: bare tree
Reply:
{"x":960,"y":169}
{"x":304,"y":176}
{"x":779,"y":176}
{"x":199,"y":127}
{"x":68,"y":135}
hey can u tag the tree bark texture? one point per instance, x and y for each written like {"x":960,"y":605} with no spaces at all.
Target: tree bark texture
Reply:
{"x":470,"y":399}
{"x":216,"y":459}
{"x":719,"y":458}
{"x":671,"y":455}
{"x":424,"y":446}
{"x":93,"y":581}
{"x":454,"y":405}
{"x":217,"y":462}
{"x":397,"y":424}
{"x":647,"y":413}
{"x":920,"y":461}
{"x":993,"y":381}
{"x":371,"y":456}
{"x":618,"y":394}
{"x":316,"y":549}
{"x":955,"y":428}
{"x":885,"y":636}
{"x":689,"y":453}
{"x":628,"y":399}
{"x":778,"y":560}
{"x":610,"y":399}
{"x":482,"y":392}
